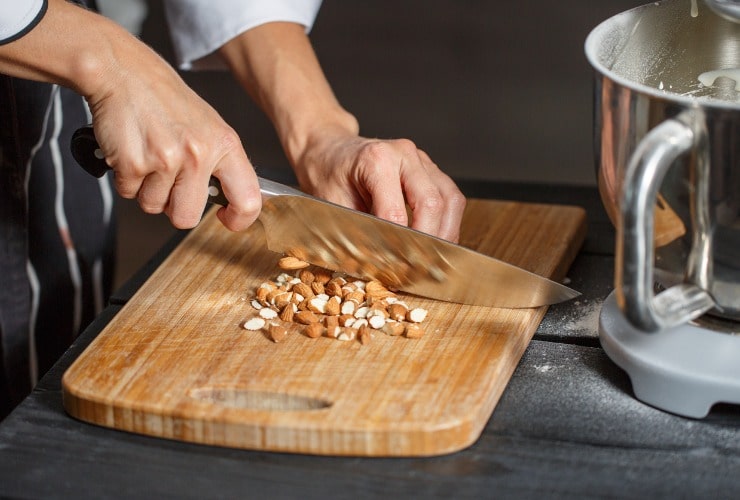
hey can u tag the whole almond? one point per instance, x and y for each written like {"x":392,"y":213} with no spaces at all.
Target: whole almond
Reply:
{"x":303,"y":289}
{"x":314,"y":330}
{"x":290,"y":263}
{"x":377,"y":290}
{"x":306,"y":276}
{"x":317,"y":288}
{"x":323,"y":276}
{"x":333,"y":288}
{"x":305,"y":317}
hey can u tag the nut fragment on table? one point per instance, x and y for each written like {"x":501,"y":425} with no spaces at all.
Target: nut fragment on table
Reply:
{"x":254,"y":324}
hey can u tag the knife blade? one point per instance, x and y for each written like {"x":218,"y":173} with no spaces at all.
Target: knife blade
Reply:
{"x":362,"y":245}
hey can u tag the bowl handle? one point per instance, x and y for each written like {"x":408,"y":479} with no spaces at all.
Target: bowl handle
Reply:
{"x":652,"y":159}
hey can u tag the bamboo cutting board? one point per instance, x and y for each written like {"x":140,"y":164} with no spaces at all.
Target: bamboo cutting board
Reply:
{"x":176,"y":363}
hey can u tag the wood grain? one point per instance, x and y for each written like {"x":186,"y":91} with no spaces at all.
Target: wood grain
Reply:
{"x":175,"y":362}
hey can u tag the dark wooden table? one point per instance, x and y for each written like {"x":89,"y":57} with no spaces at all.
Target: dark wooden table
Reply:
{"x":566,"y":426}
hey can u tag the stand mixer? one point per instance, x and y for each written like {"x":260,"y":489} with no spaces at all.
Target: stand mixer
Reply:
{"x":729,"y":9}
{"x":667,"y":136}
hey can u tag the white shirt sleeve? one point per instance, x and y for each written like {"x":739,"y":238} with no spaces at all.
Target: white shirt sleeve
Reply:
{"x":199,"y":27}
{"x":17,"y":17}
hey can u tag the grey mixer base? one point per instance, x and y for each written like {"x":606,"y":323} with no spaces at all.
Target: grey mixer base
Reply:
{"x":683,"y":370}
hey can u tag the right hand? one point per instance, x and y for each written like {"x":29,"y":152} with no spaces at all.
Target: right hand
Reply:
{"x":164,"y":142}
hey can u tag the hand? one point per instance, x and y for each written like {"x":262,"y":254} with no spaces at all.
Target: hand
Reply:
{"x":161,"y":139}
{"x":382,"y":177}
{"x":164,"y":142}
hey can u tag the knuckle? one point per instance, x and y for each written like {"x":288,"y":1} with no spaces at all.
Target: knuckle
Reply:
{"x":406,"y":146}
{"x":457,"y":201}
{"x":432,"y":202}
{"x":374,"y":152}
{"x":169,"y":157}
{"x":398,"y":216}
{"x":230,"y":139}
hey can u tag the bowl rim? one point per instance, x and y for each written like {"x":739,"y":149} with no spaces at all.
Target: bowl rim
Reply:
{"x":593,"y":42}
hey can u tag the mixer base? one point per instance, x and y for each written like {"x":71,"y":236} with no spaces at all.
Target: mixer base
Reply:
{"x":683,"y":370}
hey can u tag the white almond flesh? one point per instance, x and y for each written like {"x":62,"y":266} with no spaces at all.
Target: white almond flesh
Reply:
{"x":254,"y":324}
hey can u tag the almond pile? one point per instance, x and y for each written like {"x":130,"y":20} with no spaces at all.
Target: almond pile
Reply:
{"x":330,"y":305}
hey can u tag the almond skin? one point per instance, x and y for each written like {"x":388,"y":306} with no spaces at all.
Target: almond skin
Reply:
{"x":305,"y":317}
{"x":287,"y":313}
{"x":306,"y":276}
{"x":290,"y":263}
{"x":364,"y":335}
{"x":314,"y":330}
{"x":277,"y":332}
{"x":397,"y":312}
{"x":414,"y":331}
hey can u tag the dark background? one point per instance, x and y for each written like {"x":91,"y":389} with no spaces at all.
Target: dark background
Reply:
{"x":491,"y":90}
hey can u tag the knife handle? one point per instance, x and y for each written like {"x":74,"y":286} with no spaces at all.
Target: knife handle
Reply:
{"x":86,"y":151}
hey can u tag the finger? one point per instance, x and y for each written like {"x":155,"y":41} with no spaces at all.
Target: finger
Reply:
{"x":454,"y":201}
{"x":424,"y":198}
{"x":341,"y":193}
{"x":452,"y":215}
{"x":127,"y":187}
{"x":187,"y":199}
{"x":241,"y":187}
{"x":154,"y":193}
{"x":382,"y":187}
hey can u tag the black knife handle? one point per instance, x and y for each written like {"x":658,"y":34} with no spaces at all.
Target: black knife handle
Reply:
{"x":86,"y":151}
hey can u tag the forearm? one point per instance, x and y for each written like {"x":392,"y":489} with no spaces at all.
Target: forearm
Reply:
{"x":278,"y":67}
{"x":74,"y":47}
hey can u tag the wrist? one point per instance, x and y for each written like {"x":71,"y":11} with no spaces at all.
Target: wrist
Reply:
{"x":300,"y":140}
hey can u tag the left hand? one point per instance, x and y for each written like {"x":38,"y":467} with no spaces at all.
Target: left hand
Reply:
{"x":383,"y":177}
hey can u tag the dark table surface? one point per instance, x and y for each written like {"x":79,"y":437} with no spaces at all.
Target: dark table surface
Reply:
{"x":566,"y":426}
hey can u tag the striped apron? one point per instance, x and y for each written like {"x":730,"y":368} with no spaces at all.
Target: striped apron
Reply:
{"x":57,"y":234}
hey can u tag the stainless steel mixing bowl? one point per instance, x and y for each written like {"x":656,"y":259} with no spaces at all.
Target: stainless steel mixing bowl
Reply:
{"x":667,"y":137}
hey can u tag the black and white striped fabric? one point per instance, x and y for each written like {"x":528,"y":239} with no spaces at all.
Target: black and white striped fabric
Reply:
{"x":57,"y":232}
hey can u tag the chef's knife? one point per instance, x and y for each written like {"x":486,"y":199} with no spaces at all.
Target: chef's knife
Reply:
{"x":365,"y":246}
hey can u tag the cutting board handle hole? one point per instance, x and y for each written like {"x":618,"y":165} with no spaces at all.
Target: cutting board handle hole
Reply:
{"x":235,"y":397}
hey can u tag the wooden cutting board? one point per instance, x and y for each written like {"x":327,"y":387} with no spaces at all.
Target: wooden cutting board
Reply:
{"x":176,"y":363}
